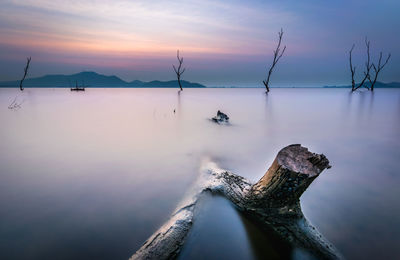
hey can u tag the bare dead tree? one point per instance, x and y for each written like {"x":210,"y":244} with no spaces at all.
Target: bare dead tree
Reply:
{"x":368,"y":67}
{"x":179,"y":71}
{"x":352,"y":69}
{"x":377,"y":70}
{"x":277,"y":56}
{"x":28,"y":61}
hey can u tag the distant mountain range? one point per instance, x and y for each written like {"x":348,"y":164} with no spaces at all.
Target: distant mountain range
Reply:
{"x":94,"y":80}
{"x":377,"y":85}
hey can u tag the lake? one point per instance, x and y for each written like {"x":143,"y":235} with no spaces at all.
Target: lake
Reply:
{"x":92,"y":175}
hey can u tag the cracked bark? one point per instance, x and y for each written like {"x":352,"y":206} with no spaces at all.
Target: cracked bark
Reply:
{"x":273,"y":203}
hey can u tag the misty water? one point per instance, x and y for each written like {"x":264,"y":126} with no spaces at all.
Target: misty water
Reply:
{"x":92,"y":175}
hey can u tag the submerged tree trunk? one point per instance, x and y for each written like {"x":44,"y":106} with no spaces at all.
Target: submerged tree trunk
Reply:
{"x":28,"y":61}
{"x":273,"y":203}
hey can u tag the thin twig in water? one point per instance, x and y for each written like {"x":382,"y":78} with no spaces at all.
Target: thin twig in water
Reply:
{"x":179,"y":71}
{"x":367,"y":73}
{"x":28,"y":61}
{"x":368,"y":67}
{"x":277,"y":56}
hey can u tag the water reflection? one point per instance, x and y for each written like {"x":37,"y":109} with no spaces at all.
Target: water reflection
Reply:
{"x":92,"y":175}
{"x":220,"y":232}
{"x":217,"y":232}
{"x":364,"y":107}
{"x":371,"y":102}
{"x":266,"y":245}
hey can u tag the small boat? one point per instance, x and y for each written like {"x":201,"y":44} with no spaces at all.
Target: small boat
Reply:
{"x":78,"y":88}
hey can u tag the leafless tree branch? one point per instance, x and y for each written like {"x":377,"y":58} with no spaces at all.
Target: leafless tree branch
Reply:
{"x":378,"y":69}
{"x":277,"y":56}
{"x":28,"y":61}
{"x":179,"y":71}
{"x":368,"y":67}
{"x":352,"y":69}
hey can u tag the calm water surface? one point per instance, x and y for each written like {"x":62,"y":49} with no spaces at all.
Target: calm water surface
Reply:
{"x":92,"y":175}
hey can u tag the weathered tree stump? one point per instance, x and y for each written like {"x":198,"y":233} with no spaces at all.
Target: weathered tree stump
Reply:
{"x":273,"y":203}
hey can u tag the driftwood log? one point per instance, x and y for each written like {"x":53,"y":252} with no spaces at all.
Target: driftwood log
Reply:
{"x":272,"y":203}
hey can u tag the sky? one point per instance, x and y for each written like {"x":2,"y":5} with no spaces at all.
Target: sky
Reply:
{"x":223,"y":43}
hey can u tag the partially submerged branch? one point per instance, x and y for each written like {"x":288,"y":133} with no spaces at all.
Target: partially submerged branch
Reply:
{"x":272,"y":203}
{"x":377,"y":70}
{"x":277,"y":56}
{"x":352,"y":69}
{"x":368,"y":67}
{"x":28,"y":61}
{"x":179,"y":71}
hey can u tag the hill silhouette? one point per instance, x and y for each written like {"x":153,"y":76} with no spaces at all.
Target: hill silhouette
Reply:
{"x":377,"y":85}
{"x":92,"y":79}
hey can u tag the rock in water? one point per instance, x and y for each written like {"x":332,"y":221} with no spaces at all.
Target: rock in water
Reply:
{"x":220,"y":118}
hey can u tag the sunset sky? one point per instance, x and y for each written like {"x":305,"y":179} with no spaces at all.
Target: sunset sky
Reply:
{"x":223,"y":43}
